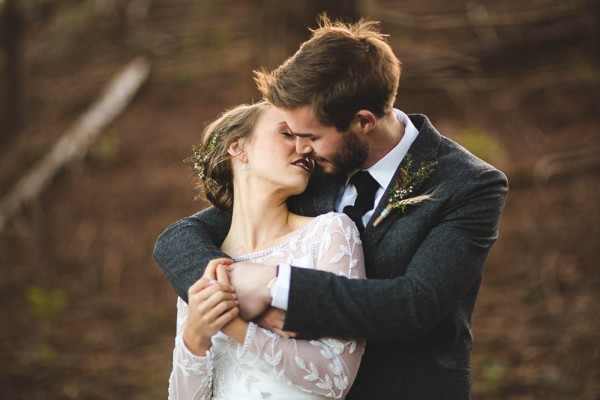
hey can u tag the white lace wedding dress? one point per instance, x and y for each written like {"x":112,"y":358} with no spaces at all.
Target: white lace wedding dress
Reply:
{"x":267,"y":366}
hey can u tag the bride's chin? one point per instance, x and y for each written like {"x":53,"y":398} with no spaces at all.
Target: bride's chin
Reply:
{"x":297,"y":189}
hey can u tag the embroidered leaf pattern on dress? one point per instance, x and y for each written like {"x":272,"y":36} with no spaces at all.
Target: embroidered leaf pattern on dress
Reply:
{"x":341,"y":383}
{"x":327,"y":385}
{"x":300,"y":362}
{"x":336,"y":366}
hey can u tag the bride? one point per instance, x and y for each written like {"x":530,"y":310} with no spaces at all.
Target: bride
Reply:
{"x":248,"y":166}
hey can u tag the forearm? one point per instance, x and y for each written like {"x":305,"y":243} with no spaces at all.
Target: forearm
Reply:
{"x":375,"y":309}
{"x":236,"y":329}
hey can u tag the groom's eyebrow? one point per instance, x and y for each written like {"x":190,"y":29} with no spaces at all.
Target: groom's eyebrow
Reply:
{"x":303,"y":135}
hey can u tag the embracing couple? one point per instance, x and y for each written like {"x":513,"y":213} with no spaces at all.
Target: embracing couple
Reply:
{"x":318,"y":186}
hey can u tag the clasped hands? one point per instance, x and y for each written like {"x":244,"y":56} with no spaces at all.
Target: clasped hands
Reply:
{"x":213,"y":303}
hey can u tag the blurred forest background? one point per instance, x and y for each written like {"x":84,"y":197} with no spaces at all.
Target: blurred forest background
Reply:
{"x":86,"y":312}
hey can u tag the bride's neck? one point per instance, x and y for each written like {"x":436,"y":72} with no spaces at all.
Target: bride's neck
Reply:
{"x":258,"y":221}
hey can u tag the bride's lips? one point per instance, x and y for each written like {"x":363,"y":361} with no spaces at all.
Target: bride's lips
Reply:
{"x":307,"y":164}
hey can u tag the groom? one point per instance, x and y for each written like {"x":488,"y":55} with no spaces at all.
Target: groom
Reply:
{"x":424,"y":260}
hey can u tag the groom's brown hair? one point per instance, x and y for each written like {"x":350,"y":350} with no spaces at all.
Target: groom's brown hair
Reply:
{"x":340,"y":70}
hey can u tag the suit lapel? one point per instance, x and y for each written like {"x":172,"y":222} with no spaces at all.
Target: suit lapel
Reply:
{"x":424,"y":148}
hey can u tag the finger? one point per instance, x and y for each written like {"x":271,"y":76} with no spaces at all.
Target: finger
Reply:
{"x":224,"y":261}
{"x":227,"y":317}
{"x":198,"y":286}
{"x":209,"y":271}
{"x":281,"y":333}
{"x":211,"y":267}
{"x":290,"y":334}
{"x":205,"y":293}
{"x":221,"y":308}
{"x":222,"y":276}
{"x":208,"y":303}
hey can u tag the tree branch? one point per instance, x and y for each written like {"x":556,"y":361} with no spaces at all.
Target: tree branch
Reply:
{"x":78,"y":139}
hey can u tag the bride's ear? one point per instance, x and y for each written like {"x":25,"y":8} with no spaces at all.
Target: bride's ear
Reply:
{"x":236,"y":149}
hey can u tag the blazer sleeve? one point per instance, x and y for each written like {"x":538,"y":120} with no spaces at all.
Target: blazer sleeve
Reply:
{"x":447,"y":264}
{"x":184,"y":249}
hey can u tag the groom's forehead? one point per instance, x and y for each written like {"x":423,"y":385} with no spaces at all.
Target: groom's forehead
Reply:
{"x":302,"y":119}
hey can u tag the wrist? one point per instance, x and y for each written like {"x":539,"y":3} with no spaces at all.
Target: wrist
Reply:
{"x":236,"y":329}
{"x":198,"y":345}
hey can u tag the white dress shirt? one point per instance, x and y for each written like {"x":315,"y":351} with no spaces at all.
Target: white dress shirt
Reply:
{"x":383,"y":172}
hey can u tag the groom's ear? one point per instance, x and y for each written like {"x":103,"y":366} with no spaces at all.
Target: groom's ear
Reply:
{"x":365,"y":120}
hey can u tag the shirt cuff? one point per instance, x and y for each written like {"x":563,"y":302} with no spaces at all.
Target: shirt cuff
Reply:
{"x":281,"y":287}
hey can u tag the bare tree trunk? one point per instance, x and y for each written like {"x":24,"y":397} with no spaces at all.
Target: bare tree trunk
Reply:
{"x":13,"y":28}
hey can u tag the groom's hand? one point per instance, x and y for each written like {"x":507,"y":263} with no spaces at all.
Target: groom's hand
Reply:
{"x":251,"y":282}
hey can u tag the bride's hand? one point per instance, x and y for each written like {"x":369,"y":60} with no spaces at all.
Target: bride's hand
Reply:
{"x":211,"y":305}
{"x":210,"y":272}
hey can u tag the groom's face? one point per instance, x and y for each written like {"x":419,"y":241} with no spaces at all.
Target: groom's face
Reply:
{"x":336,"y":152}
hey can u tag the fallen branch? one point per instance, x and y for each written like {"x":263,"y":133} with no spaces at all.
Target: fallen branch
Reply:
{"x":78,"y":139}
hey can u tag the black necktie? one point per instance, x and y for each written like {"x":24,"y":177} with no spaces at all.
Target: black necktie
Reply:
{"x":366,"y":186}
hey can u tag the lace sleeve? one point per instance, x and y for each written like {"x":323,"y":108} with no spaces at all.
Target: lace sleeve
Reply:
{"x":192,"y":376}
{"x":326,"y":366}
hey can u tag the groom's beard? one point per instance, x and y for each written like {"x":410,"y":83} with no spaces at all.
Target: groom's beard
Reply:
{"x":352,"y":154}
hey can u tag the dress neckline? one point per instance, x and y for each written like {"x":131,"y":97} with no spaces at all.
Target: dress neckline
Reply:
{"x":293,"y":235}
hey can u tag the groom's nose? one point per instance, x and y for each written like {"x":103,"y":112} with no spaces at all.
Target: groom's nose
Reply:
{"x":303,"y":146}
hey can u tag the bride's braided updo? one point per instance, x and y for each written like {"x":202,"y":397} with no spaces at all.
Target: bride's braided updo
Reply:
{"x":211,"y":160}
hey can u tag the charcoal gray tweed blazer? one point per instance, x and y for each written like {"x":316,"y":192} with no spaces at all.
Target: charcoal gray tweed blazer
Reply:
{"x":424,"y":268}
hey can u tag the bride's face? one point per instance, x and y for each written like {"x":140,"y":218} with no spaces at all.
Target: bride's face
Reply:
{"x":272,"y":157}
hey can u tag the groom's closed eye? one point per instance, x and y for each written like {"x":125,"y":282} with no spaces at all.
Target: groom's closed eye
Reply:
{"x":309,"y":136}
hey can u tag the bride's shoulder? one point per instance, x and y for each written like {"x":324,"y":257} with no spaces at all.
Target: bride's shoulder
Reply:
{"x":300,"y":221}
{"x":328,"y":221}
{"x":334,"y":218}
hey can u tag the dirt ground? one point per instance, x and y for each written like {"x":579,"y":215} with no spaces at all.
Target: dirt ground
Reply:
{"x":88,"y":314}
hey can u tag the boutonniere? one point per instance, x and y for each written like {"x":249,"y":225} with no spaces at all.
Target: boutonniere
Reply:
{"x":407,"y":183}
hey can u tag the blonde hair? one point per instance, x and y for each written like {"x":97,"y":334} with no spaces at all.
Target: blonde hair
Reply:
{"x":211,"y":160}
{"x":340,"y":70}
